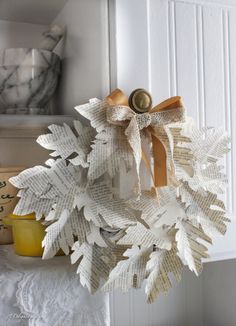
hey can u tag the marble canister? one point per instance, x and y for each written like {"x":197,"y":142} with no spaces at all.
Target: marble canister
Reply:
{"x":28,"y":79}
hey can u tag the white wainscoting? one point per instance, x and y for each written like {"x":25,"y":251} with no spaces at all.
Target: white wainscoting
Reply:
{"x":181,"y":307}
{"x":185,"y":48}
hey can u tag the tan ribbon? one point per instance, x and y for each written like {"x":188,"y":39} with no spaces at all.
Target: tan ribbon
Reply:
{"x":169,"y":111}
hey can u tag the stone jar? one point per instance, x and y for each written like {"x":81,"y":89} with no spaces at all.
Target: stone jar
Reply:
{"x":28,"y":79}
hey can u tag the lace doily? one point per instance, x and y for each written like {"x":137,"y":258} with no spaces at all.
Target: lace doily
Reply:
{"x":46,"y":293}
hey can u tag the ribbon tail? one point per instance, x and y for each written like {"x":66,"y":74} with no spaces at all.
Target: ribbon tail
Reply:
{"x":160,"y":162}
{"x":172,"y":175}
{"x":133,"y":135}
{"x":160,"y":159}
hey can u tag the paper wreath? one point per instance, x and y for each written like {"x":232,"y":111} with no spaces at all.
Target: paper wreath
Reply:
{"x":132,"y":196}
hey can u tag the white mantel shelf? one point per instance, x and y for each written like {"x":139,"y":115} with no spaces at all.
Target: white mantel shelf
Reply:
{"x":29,"y":126}
{"x":24,"y":121}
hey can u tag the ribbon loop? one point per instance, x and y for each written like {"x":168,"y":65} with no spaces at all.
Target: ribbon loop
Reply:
{"x":119,"y":114}
{"x":168,"y":116}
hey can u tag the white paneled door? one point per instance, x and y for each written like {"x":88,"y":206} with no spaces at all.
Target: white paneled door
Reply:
{"x":185,"y":48}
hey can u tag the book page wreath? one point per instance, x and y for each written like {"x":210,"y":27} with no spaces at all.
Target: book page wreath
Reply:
{"x":132,"y":196}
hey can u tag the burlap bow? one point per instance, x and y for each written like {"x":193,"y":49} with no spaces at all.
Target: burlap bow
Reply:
{"x":169,"y":111}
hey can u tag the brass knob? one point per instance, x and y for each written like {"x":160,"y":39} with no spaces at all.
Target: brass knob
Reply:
{"x":140,"y":100}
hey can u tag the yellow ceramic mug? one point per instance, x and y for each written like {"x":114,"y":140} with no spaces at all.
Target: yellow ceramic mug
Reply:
{"x":8,"y":201}
{"x":28,"y":234}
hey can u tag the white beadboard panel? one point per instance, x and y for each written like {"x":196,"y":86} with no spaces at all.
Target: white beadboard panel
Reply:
{"x":173,"y":68}
{"x":200,"y":66}
{"x":186,"y":57}
{"x":231,"y":98}
{"x":132,"y":44}
{"x":159,"y":65}
{"x":186,"y":48}
{"x":213,"y":66}
{"x":227,"y":100}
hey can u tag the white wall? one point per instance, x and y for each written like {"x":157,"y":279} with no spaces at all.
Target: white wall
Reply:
{"x":85,"y":66}
{"x":14,"y":34}
{"x":219,"y":293}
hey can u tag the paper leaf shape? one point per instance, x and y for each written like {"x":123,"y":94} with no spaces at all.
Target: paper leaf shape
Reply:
{"x":47,"y":190}
{"x":190,"y":250}
{"x":103,"y":209}
{"x":65,"y":143}
{"x":208,"y":178}
{"x":159,"y":209}
{"x":208,"y":144}
{"x":110,"y":148}
{"x":94,"y":263}
{"x":162,"y":263}
{"x":130,"y":272}
{"x":43,"y":181}
{"x":205,"y":209}
{"x":95,"y":112}
{"x":61,"y":234}
{"x":140,"y":235}
{"x":30,"y":203}
{"x":179,"y":153}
